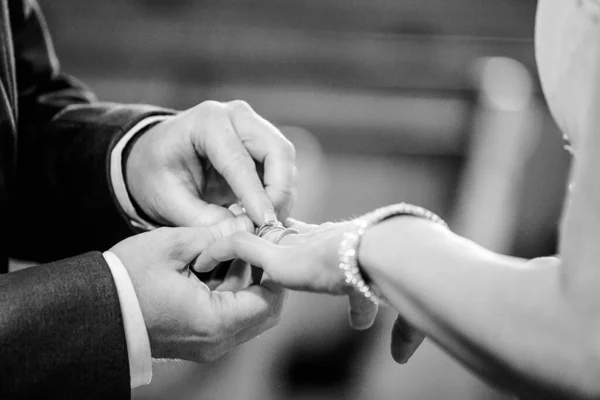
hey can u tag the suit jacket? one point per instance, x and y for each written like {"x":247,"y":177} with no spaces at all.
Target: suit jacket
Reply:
{"x":61,"y":329}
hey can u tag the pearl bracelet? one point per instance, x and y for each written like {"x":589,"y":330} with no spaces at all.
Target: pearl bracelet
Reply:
{"x":348,"y":249}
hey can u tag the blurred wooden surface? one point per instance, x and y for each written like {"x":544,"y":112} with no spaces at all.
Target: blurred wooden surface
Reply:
{"x":394,"y":72}
{"x":384,"y":44}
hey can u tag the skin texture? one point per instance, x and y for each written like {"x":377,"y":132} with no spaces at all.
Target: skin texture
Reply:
{"x":186,"y":170}
{"x":185,"y":319}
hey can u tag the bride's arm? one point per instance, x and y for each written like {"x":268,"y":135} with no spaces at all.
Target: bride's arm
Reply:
{"x":532,"y":327}
{"x":528,"y":326}
{"x":510,"y":321}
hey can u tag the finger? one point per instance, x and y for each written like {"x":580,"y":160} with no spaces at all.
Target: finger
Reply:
{"x":237,"y":278}
{"x":186,"y":244}
{"x":268,"y":146}
{"x":241,"y":245}
{"x":187,"y":209}
{"x":217,"y":273}
{"x":183,"y":245}
{"x":300,"y":226}
{"x":362,"y":311}
{"x":231,"y":159}
{"x":230,"y":226}
{"x":405,"y":340}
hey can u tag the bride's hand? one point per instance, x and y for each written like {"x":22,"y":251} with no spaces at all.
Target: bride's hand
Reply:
{"x":309,"y":262}
{"x":405,"y":338}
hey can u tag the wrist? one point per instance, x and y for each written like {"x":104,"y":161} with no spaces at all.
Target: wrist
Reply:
{"x":349,"y":246}
{"x":409,"y":233}
{"x":131,"y":162}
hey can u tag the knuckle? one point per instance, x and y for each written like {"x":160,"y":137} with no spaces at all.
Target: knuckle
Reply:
{"x":214,"y":233}
{"x":211,"y":105}
{"x":288,"y":148}
{"x":225,"y":228}
{"x":239,"y":105}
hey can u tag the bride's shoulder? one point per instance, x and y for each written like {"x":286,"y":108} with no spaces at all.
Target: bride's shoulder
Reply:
{"x":567,"y":43}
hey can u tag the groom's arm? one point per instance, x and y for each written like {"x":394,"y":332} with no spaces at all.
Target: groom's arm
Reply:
{"x":61,"y":332}
{"x":64,"y":199}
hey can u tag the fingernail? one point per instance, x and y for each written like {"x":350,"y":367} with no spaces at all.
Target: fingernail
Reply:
{"x":403,"y":352}
{"x":236,"y":209}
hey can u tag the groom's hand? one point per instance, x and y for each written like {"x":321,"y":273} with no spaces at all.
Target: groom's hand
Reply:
{"x":185,"y":170}
{"x":184,"y":318}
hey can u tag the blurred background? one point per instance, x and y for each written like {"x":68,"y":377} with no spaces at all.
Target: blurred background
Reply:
{"x":434,"y":102}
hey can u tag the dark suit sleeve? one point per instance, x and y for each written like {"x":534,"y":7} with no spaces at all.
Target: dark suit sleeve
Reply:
{"x":61,"y":333}
{"x":64,"y":204}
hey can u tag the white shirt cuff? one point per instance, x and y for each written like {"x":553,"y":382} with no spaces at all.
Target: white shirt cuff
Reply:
{"x":118,"y":180}
{"x":136,"y":335}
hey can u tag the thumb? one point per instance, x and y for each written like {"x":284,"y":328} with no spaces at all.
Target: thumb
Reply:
{"x":180,"y":245}
{"x":188,"y":243}
{"x":184,"y":208}
{"x":243,"y":245}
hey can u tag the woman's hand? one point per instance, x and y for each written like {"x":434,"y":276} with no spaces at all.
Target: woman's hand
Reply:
{"x":309,"y":262}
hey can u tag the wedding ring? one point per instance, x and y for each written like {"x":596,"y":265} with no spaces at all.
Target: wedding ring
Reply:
{"x":286,"y":231}
{"x":269,"y":226}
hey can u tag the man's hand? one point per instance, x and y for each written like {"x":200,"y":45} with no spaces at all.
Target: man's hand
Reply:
{"x":184,"y":318}
{"x":186,"y":170}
